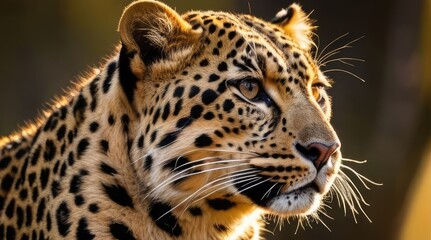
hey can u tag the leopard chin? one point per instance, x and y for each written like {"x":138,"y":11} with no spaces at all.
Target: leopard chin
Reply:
{"x":302,"y":201}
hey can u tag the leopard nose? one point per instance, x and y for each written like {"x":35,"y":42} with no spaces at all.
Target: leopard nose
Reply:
{"x":318,"y":153}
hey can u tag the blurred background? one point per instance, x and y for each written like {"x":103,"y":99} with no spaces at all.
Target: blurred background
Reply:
{"x":386,"y":120}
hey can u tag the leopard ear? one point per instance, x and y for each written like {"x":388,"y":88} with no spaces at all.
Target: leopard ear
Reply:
{"x":154,"y":30}
{"x":296,"y":24}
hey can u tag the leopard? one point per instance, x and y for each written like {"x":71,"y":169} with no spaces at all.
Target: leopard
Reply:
{"x":198,"y":127}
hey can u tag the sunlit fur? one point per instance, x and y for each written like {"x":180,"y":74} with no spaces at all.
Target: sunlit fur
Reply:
{"x":154,"y":161}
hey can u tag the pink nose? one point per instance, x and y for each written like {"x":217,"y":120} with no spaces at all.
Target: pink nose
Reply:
{"x":318,"y":153}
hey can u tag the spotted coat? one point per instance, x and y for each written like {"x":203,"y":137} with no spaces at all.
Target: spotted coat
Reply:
{"x":198,"y":127}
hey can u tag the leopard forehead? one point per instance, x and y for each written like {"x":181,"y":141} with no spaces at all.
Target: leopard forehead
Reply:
{"x":249,"y":44}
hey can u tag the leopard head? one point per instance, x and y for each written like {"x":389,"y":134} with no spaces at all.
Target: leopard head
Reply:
{"x":229,"y":107}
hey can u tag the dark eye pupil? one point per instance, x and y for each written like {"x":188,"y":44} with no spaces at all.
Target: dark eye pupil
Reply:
{"x":249,"y":86}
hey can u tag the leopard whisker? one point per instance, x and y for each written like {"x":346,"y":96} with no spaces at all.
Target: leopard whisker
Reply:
{"x":269,"y":191}
{"x":344,"y":71}
{"x":279,"y":189}
{"x":235,"y":174}
{"x":353,"y":160}
{"x":225,"y":176}
{"x":321,"y":210}
{"x":316,"y":46}
{"x":329,"y":44}
{"x":299,"y":223}
{"x":252,"y":186}
{"x":331,"y":53}
{"x":352,"y":198}
{"x":198,"y":192}
{"x":193,"y":164}
{"x":227,"y":184}
{"x":340,"y":195}
{"x":252,"y":178}
{"x":319,"y":219}
{"x":307,"y":219}
{"x":209,"y":170}
{"x":353,"y":186}
{"x":220,"y":150}
{"x":192,"y":151}
{"x":337,"y":60}
{"x":173,"y":178}
{"x":329,"y":196}
{"x":201,"y":149}
{"x":249,"y":183}
{"x":179,"y":204}
{"x":280,"y":222}
{"x":333,"y":192}
{"x":324,"y":205}
{"x":163,"y":162}
{"x":361,"y":177}
{"x":212,"y":157}
{"x":342,"y":60}
{"x":346,"y":194}
{"x":268,"y":231}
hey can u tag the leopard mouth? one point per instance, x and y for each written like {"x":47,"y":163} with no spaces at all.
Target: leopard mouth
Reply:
{"x":265,"y":192}
{"x":311,"y":185}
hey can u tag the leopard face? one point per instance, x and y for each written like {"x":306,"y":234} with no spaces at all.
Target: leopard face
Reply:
{"x":232,"y":107}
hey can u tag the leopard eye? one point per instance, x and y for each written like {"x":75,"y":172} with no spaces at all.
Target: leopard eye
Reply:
{"x":249,"y":88}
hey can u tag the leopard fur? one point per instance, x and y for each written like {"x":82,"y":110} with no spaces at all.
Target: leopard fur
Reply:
{"x":200,"y":125}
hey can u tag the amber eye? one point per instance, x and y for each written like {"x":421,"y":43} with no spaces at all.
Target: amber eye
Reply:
{"x":249,"y":88}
